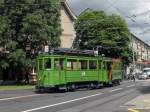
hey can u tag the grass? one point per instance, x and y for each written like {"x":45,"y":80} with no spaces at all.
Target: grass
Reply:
{"x":16,"y":87}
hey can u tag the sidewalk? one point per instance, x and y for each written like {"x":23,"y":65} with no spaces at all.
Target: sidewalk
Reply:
{"x":138,"y":110}
{"x":142,"y":102}
{"x":14,"y":91}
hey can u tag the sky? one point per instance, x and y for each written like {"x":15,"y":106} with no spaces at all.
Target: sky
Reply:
{"x":135,"y":12}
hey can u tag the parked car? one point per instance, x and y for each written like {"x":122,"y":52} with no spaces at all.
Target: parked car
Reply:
{"x":145,"y":74}
{"x":147,"y":71}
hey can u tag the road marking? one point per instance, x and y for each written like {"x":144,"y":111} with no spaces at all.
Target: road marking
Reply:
{"x":115,"y":90}
{"x":124,"y":106}
{"x":18,"y":97}
{"x":131,"y":85}
{"x":69,"y":101}
{"x":132,"y":110}
{"x":146,"y":101}
{"x":145,"y":108}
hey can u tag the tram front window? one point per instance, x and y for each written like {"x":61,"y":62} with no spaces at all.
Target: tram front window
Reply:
{"x":92,"y":64}
{"x":47,"y":63}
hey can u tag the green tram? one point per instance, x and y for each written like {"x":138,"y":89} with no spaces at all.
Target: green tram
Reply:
{"x":69,"y":72}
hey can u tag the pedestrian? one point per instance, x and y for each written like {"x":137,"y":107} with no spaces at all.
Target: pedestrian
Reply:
{"x":133,"y":77}
{"x":26,"y":78}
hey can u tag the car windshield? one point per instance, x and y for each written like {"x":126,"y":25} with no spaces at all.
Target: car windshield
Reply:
{"x":146,"y":70}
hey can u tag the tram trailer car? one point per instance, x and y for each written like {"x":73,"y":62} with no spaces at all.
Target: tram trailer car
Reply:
{"x":71,"y":72}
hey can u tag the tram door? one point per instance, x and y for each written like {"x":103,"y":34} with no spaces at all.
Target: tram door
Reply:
{"x":47,"y":71}
{"x":104,"y":71}
{"x":109,"y":70}
{"x":43,"y":70}
{"x":59,"y":70}
{"x":40,"y":71}
{"x":101,"y":71}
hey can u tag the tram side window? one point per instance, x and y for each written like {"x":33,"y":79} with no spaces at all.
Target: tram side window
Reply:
{"x":100,"y":64}
{"x":72,"y":64}
{"x":47,"y":63}
{"x":92,"y":64}
{"x":40,"y":64}
{"x":59,"y":64}
{"x":83,"y":64}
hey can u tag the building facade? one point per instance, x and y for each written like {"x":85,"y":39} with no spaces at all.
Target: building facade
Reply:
{"x":142,"y":52}
{"x":67,"y":24}
{"x":67,"y":37}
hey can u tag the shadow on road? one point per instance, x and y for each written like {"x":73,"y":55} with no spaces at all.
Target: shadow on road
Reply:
{"x":144,"y":87}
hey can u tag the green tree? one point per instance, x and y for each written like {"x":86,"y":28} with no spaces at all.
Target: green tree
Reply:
{"x":25,"y":27}
{"x":95,"y":28}
{"x":4,"y":28}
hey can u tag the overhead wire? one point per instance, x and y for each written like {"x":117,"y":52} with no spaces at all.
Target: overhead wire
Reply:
{"x":122,"y":13}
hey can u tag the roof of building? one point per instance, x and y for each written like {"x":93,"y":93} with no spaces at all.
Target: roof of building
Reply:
{"x":140,"y":40}
{"x":69,"y":11}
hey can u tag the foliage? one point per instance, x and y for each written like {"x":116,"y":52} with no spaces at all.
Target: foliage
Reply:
{"x":16,"y":87}
{"x":25,"y":27}
{"x":95,"y":28}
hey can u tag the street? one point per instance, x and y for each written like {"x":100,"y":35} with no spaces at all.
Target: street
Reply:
{"x":67,"y":45}
{"x":112,"y":99}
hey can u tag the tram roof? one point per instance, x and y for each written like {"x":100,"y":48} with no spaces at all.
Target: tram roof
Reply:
{"x":74,"y":54}
{"x":74,"y":57}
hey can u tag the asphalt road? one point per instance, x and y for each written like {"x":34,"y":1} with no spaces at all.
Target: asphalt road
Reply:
{"x":110,"y":99}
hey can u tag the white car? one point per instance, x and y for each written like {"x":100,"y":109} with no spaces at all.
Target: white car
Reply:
{"x":147,"y":71}
{"x":143,"y":76}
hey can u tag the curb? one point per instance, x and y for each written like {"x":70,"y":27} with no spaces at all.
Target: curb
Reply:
{"x":133,"y":110}
{"x":9,"y":90}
